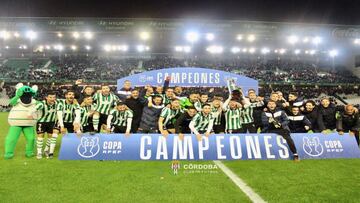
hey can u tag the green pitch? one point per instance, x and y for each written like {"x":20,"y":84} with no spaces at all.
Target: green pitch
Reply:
{"x":31,"y":180}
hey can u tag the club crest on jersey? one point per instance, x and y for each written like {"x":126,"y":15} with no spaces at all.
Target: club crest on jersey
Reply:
{"x":88,"y":147}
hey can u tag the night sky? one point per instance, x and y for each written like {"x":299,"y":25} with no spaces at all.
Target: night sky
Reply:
{"x":306,"y":11}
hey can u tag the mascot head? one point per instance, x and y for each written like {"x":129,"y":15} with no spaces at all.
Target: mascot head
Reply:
{"x":26,"y":93}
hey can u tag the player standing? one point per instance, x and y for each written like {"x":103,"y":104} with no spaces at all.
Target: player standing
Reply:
{"x":46,"y":124}
{"x":104,"y":102}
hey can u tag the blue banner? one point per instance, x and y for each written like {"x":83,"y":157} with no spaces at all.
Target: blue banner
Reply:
{"x":216,"y":147}
{"x":189,"y":77}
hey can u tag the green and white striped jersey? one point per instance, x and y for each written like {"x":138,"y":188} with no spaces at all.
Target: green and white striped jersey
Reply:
{"x":247,"y":115}
{"x":46,"y":112}
{"x":248,"y":112}
{"x":201,"y":122}
{"x":198,"y":106}
{"x":84,"y":113}
{"x":120,"y":117}
{"x":166,"y":100}
{"x":169,"y":115}
{"x":232,"y":118}
{"x":216,"y":115}
{"x":105,"y":103}
{"x":68,"y":110}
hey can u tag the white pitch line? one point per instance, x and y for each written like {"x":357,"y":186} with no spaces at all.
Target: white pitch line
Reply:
{"x":254,"y":197}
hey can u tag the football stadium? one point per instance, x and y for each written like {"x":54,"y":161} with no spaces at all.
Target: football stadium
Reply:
{"x":178,"y":110}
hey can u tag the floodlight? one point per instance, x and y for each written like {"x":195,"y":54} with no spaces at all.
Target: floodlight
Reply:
{"x":251,"y":38}
{"x":235,"y":50}
{"x":88,"y":35}
{"x":293,"y":39}
{"x":31,"y":34}
{"x":192,"y":36}
{"x":265,"y":50}
{"x":76,"y":35}
{"x":239,"y":37}
{"x":316,"y":40}
{"x":333,"y":53}
{"x":210,"y":36}
{"x":144,"y":36}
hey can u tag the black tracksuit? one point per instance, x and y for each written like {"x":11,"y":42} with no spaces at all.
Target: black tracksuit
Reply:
{"x":298,"y":102}
{"x":136,"y":105}
{"x":149,"y":119}
{"x":312,"y":116}
{"x":123,"y":93}
{"x":327,"y":117}
{"x":257,"y":113}
{"x":182,"y":123}
{"x":269,"y":127}
{"x":79,"y":94}
{"x":345,"y":123}
{"x":297,"y":123}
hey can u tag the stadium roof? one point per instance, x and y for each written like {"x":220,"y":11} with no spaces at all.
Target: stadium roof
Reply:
{"x":176,"y":25}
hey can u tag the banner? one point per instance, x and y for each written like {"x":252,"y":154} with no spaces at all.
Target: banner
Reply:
{"x":216,"y":147}
{"x":189,"y":77}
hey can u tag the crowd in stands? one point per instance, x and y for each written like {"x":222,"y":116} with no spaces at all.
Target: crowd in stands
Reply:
{"x":92,"y":68}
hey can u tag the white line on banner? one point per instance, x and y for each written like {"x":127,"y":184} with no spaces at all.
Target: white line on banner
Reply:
{"x":254,"y":197}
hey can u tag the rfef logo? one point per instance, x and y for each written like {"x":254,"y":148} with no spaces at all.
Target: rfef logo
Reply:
{"x":312,"y":146}
{"x":88,"y":147}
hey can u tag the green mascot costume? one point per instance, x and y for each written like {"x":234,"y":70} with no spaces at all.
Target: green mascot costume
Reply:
{"x":22,"y":118}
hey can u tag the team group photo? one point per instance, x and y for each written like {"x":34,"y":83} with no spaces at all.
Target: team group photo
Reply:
{"x":250,"y":105}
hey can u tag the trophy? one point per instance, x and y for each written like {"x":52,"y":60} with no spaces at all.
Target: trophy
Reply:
{"x":236,"y":92}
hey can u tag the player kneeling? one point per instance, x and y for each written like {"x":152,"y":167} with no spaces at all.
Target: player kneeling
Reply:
{"x":202,"y":122}
{"x":120,"y":119}
{"x":46,"y":124}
